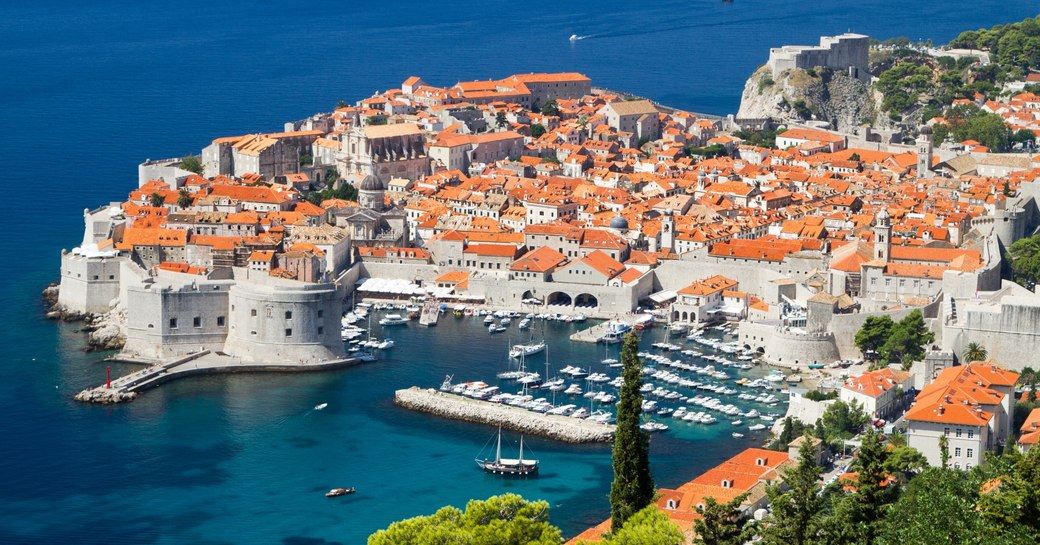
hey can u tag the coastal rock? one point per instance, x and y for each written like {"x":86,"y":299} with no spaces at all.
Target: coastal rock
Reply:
{"x":107,"y":331}
{"x":561,"y":428}
{"x":104,"y":396}
{"x":798,"y":95}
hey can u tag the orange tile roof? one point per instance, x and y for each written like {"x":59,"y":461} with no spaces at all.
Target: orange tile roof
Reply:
{"x":710,"y":285}
{"x":541,"y":259}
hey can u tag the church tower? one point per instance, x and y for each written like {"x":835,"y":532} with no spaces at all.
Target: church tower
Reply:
{"x":883,"y":236}
{"x":924,"y":152}
{"x":370,"y":194}
{"x":667,"y":231}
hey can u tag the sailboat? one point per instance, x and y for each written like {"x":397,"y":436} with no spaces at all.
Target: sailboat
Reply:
{"x":508,"y":466}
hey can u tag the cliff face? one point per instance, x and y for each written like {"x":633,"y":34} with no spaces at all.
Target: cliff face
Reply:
{"x":797,"y":96}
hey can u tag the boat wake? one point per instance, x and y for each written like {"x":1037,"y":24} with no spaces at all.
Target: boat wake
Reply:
{"x":675,"y":27}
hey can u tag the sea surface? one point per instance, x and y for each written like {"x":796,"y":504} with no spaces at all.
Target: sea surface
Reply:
{"x":90,"y":89}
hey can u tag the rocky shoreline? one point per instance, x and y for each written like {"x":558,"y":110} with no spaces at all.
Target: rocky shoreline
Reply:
{"x":560,"y":428}
{"x":104,"y":331}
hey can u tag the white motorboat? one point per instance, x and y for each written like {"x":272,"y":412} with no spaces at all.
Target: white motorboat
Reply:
{"x":756,"y":427}
{"x":737,"y":435}
{"x":393,"y":319}
{"x":386,"y":344}
{"x":320,"y":406}
{"x":489,"y":319}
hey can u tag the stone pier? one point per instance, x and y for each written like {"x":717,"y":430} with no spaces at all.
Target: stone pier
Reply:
{"x":560,"y":428}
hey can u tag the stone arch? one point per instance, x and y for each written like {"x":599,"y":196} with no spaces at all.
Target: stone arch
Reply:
{"x":586,"y":299}
{"x":559,"y":298}
{"x":529,"y":294}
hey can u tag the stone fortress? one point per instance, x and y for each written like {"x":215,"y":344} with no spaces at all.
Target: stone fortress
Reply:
{"x":843,"y":52}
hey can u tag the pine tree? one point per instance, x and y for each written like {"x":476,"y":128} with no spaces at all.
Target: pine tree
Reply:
{"x":720,"y":523}
{"x":873,"y":495}
{"x":796,"y":511}
{"x":633,"y":487}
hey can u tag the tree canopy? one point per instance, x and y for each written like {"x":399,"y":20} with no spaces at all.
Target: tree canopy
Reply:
{"x":500,"y":520}
{"x":192,"y":163}
{"x":551,"y":107}
{"x":1024,"y":256}
{"x":872,"y":335}
{"x":633,"y":487}
{"x":906,"y":342}
{"x":649,"y":526}
{"x":720,"y":523}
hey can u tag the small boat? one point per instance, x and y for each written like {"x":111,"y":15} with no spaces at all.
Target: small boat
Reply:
{"x":737,"y":435}
{"x":521,"y":350}
{"x":320,"y":406}
{"x":489,"y":319}
{"x":506,"y":466}
{"x":339,"y":492}
{"x":386,"y":344}
{"x":393,"y":319}
{"x":756,"y":427}
{"x":492,"y":329}
{"x":574,"y":37}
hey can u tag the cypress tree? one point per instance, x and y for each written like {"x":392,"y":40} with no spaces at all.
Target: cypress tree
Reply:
{"x":796,"y":504}
{"x":633,"y":487}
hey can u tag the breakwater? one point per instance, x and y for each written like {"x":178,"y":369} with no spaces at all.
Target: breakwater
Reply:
{"x":560,"y":428}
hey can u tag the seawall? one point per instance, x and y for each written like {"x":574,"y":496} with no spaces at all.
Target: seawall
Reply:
{"x":560,"y":428}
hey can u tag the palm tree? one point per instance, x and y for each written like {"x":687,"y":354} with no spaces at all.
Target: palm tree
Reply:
{"x":975,"y":352}
{"x":155,"y":199}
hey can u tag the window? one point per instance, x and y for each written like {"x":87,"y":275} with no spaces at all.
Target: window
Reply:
{"x":252,"y":312}
{"x":957,"y":452}
{"x":196,"y":321}
{"x":321,"y":330}
{"x":971,"y":453}
{"x":253,"y":333}
{"x":111,"y":277}
{"x":967,"y":466}
{"x":958,"y":432}
{"x":220,"y":321}
{"x":288,"y":333}
{"x":946,"y":431}
{"x":957,"y":465}
{"x":288,"y":315}
{"x":971,"y":434}
{"x":321,"y":313}
{"x":173,"y":323}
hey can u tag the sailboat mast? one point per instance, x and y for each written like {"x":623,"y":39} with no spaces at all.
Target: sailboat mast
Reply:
{"x":521,"y":450}
{"x":498,"y":450}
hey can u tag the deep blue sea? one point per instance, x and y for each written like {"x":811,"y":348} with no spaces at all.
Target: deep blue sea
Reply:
{"x":90,"y":89}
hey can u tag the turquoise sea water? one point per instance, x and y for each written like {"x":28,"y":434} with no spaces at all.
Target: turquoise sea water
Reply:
{"x":88,"y":90}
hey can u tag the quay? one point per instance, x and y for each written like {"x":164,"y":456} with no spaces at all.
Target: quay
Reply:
{"x":560,"y":428}
{"x":593,"y":334}
{"x":127,"y":387}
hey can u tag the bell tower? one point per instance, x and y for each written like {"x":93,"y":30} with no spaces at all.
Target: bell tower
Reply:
{"x":883,"y":236}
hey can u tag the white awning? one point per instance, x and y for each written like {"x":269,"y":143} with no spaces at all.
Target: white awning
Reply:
{"x":663,"y":296}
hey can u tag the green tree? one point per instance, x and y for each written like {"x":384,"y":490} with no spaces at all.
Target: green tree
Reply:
{"x":507,"y":520}
{"x":633,"y":487}
{"x":902,"y":84}
{"x":375,"y":120}
{"x":907,"y":340}
{"x":873,"y":495}
{"x":537,"y":130}
{"x":841,"y":421}
{"x":648,"y":526}
{"x":551,"y":107}
{"x":944,"y":452}
{"x":796,"y":505}
{"x":183,"y":199}
{"x":904,"y":462}
{"x":341,"y":104}
{"x":937,"y":506}
{"x":1024,"y":256}
{"x":974,"y":352}
{"x":155,"y":199}
{"x":1011,"y":510}
{"x":720,"y":523}
{"x":872,"y":335}
{"x":192,"y":163}
{"x":500,"y":119}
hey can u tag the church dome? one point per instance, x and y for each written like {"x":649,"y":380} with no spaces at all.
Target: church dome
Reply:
{"x":926,"y":130}
{"x":619,"y":223}
{"x":371,"y":183}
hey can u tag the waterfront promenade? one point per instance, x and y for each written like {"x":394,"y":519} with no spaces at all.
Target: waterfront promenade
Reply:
{"x":561,"y":428}
{"x":127,"y":387}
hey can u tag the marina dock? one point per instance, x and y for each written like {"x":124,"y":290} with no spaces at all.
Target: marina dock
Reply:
{"x":127,"y":387}
{"x":561,"y":428}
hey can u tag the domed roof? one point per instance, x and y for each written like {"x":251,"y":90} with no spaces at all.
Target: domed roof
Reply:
{"x":926,"y":130}
{"x":371,"y":183}
{"x":619,"y":223}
